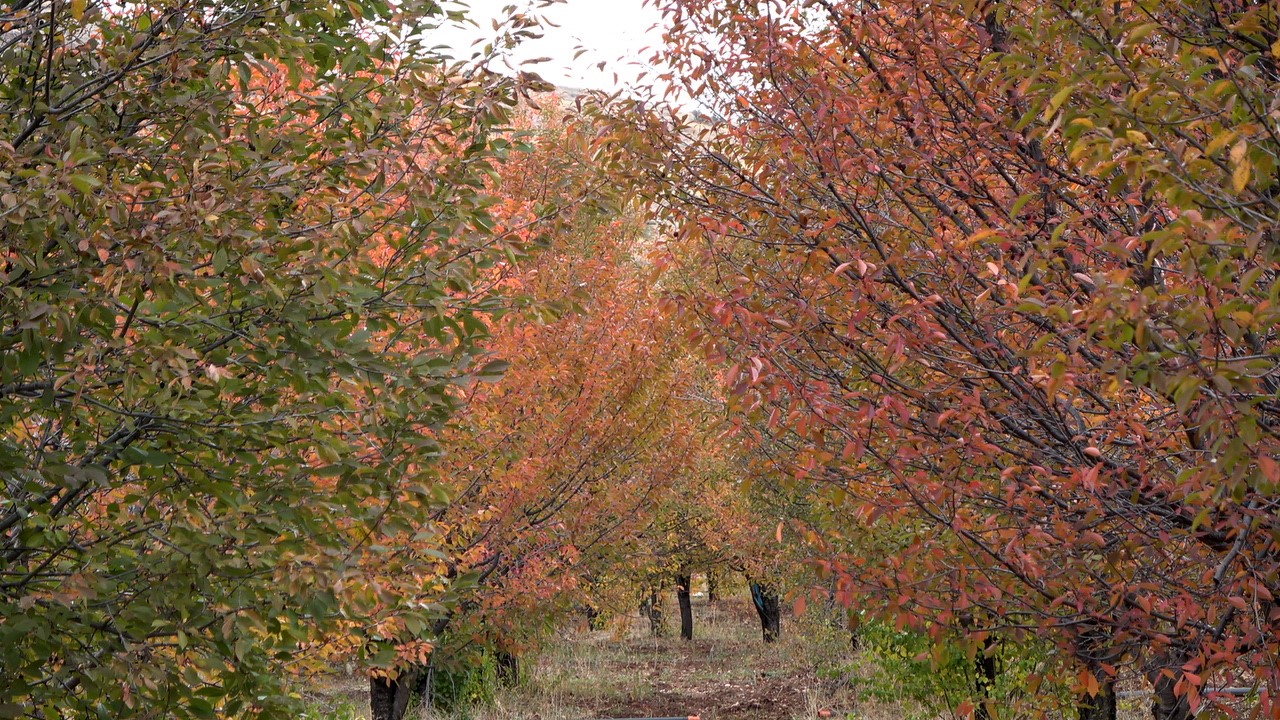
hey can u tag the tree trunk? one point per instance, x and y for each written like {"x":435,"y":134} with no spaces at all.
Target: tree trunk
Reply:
{"x":713,"y":588}
{"x":986,"y":669}
{"x":389,"y":699}
{"x":1168,"y":705}
{"x":1094,"y":649}
{"x":769,"y":608}
{"x":683,"y":584}
{"x":1098,"y":707}
{"x":508,"y":668}
{"x":651,"y":608}
{"x":595,"y":618}
{"x":853,"y":622}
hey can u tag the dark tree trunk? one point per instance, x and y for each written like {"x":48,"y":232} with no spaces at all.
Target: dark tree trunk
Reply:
{"x":683,"y":585}
{"x":853,"y":621}
{"x":1168,"y":705}
{"x":389,"y":699}
{"x":1095,"y":649}
{"x":595,"y":618}
{"x":508,"y":668}
{"x":651,"y":608}
{"x":1098,"y":707}
{"x":713,"y":588}
{"x":986,"y":670}
{"x":769,"y":608}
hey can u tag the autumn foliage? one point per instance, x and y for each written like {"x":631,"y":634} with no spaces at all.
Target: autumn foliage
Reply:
{"x":217,"y":387}
{"x":1001,"y":276}
{"x":574,"y":430}
{"x":316,"y":348}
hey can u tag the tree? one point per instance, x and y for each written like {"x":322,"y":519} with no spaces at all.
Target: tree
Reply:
{"x":702,"y":521}
{"x":769,"y":607}
{"x":1003,"y":275}
{"x":684,"y":598}
{"x":555,"y":463}
{"x":237,"y":295}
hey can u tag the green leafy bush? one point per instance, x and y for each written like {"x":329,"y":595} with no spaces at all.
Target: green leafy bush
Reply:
{"x":470,"y":682}
{"x":941,"y":677}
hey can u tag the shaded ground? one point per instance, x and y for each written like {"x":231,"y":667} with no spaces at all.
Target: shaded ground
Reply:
{"x":767,"y":700}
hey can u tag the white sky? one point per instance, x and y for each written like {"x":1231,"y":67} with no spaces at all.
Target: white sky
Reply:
{"x":620,"y":33}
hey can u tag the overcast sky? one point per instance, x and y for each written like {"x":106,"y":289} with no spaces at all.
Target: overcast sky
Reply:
{"x":619,"y":33}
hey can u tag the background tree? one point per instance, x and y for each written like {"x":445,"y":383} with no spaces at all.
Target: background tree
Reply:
{"x":700,"y":524}
{"x":556,"y":465}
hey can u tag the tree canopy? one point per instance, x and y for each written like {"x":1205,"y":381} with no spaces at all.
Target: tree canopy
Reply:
{"x":1002,"y":277}
{"x":241,"y":245}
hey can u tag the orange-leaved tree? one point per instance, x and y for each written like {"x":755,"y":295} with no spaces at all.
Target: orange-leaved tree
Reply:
{"x":571,"y":432}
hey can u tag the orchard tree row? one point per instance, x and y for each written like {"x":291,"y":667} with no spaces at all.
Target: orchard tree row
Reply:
{"x":996,"y":282}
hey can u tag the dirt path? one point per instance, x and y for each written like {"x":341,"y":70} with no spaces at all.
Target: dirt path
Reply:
{"x":726,"y":673}
{"x":709,"y":678}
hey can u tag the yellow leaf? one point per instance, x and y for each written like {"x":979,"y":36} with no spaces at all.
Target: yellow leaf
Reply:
{"x":1238,"y":152}
{"x":1240,"y":177}
{"x":1219,"y":142}
{"x":1140,"y":33}
{"x":77,"y":9}
{"x":1056,"y":102}
{"x":983,"y":235}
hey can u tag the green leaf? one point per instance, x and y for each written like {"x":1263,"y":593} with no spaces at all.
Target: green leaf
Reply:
{"x":493,"y":371}
{"x":1057,"y":101}
{"x":85,"y":183}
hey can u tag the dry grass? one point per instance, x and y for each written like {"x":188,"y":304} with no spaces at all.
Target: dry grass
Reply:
{"x":725,"y":673}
